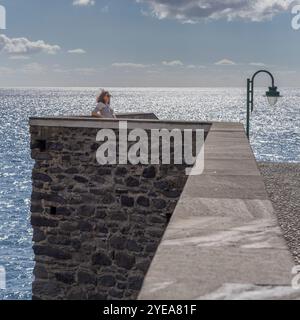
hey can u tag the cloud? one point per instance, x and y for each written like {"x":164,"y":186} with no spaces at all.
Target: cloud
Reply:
{"x":174,"y":63}
{"x":85,"y":71}
{"x":194,"y":11}
{"x":257,"y":64}
{"x":225,"y":62}
{"x":193,"y":66}
{"x":77,"y":51}
{"x":27,"y":69}
{"x":86,"y":3}
{"x":153,"y":71}
{"x":83,"y":3}
{"x":33,"y":68}
{"x":129,"y":65}
{"x":6,"y":71}
{"x":19,"y":57}
{"x":23,"y":46}
{"x":105,"y":9}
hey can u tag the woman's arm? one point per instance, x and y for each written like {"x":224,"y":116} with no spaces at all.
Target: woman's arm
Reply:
{"x":96,"y":114}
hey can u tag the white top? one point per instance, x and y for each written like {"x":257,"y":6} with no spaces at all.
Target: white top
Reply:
{"x":104,"y":111}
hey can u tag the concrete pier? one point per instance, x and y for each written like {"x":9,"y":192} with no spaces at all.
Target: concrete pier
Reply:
{"x":223,"y":241}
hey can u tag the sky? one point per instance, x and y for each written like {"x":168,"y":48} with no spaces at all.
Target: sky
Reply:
{"x":147,"y":43}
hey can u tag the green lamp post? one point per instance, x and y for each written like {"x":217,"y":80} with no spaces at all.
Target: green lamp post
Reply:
{"x":272,"y":95}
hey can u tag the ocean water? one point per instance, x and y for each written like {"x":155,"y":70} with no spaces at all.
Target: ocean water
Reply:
{"x":274,"y":137}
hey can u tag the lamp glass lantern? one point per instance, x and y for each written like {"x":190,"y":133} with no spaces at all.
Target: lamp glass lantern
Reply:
{"x":273,"y":95}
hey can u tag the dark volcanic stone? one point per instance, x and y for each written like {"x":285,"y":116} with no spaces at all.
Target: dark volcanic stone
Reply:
{"x":162,"y":185}
{"x":38,"y":235}
{"x":66,"y":158}
{"x":101,"y":214}
{"x":85,"y":226}
{"x":132,"y":245}
{"x":41,"y":177}
{"x":114,"y":293}
{"x":76,"y":244}
{"x":149,"y":172}
{"x":118,"y":242}
{"x":53,"y":197}
{"x":151,"y":247}
{"x":143,"y":266}
{"x":159,"y":203}
{"x":65,"y":277}
{"x":37,"y":184}
{"x":85,"y":277}
{"x":121,"y":191}
{"x":76,"y":293}
{"x":157,"y":219}
{"x":173,"y":193}
{"x":36,"y":196}
{"x":55,"y":170}
{"x":38,"y":221}
{"x":127,"y":201}
{"x":125,"y":260}
{"x":101,"y":259}
{"x":94,"y":146}
{"x":98,"y":179}
{"x":121,"y":171}
{"x":108,"y":199}
{"x":48,"y":288}
{"x":51,"y":252}
{"x":97,"y":192}
{"x":87,"y":210}
{"x":122,"y":286}
{"x":41,"y":156}
{"x":80,"y":179}
{"x":118,"y":216}
{"x":69,"y":226}
{"x":72,"y":171}
{"x":102,"y":228}
{"x":135,"y":283}
{"x":40,"y":272}
{"x":55,"y":146}
{"x":58,"y":188}
{"x":60,"y":240}
{"x":97,"y":296}
{"x":143,"y":201}
{"x":62,"y":211}
{"x":132,"y":182}
{"x":107,"y":281}
{"x":104,"y":171}
{"x":36,"y":208}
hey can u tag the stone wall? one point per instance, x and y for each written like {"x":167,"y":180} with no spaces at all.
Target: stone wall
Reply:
{"x":96,"y":228}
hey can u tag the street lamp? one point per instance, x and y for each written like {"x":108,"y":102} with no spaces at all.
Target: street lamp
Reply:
{"x":272,"y":95}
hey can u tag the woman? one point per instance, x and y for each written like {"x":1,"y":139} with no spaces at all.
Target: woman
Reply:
{"x":103,"y":109}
